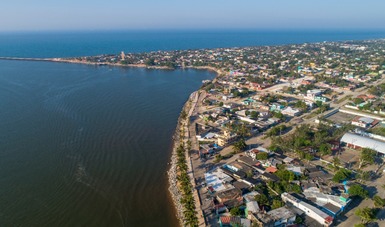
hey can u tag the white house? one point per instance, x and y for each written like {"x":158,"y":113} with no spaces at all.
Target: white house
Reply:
{"x":311,"y":211}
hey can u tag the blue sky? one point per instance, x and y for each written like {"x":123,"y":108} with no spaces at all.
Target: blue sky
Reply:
{"x":37,"y":15}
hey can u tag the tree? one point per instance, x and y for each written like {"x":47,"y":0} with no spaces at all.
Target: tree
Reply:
{"x":364,"y":175}
{"x":359,"y":225}
{"x":277,"y":204}
{"x":285,"y":175}
{"x":150,"y":62}
{"x":262,"y":156}
{"x":358,"y":190}
{"x":254,"y":114}
{"x":342,"y":174}
{"x":325,"y":149}
{"x":235,"y":211}
{"x":240,"y":145}
{"x":298,"y":220}
{"x":183,"y":114}
{"x":367,"y":157}
{"x":262,"y":200}
{"x":336,"y":162}
{"x":378,"y":201}
{"x":366,"y":215}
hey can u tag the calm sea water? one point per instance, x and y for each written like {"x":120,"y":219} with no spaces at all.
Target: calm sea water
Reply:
{"x":67,"y":44}
{"x":89,"y":146}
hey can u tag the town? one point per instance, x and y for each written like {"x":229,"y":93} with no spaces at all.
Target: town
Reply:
{"x":289,"y":135}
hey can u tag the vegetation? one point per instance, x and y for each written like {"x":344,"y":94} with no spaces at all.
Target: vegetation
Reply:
{"x":284,"y":186}
{"x":262,"y":156}
{"x":186,"y":189}
{"x":285,"y":175}
{"x":378,"y":90}
{"x":366,"y":214}
{"x":277,"y":204}
{"x":378,"y":130}
{"x":276,"y":130}
{"x":358,"y":190}
{"x":341,"y":175}
{"x":240,"y":145}
{"x":367,"y":157}
{"x":359,"y":225}
{"x":236,"y":211}
{"x":378,"y":201}
{"x":262,"y":200}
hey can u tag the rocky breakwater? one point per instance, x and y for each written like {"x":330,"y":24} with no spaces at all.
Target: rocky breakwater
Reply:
{"x":177,"y":187}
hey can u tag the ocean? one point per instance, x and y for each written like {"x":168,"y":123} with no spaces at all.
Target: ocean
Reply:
{"x":84,"y":145}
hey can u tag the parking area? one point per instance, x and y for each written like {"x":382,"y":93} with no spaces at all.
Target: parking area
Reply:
{"x":340,"y":117}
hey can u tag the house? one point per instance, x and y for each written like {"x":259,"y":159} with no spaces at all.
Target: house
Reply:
{"x":230,"y":198}
{"x":332,"y":204}
{"x":320,"y":98}
{"x":364,"y":122}
{"x":277,"y":217}
{"x":276,"y":107}
{"x":269,"y":177}
{"x":290,"y":111}
{"x":321,"y":217}
{"x":252,"y":207}
{"x":230,"y":221}
{"x":218,"y":181}
{"x":311,"y":94}
{"x":271,"y":169}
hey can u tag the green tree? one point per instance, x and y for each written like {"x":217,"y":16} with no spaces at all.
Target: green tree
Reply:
{"x":342,"y":174}
{"x":359,"y":225}
{"x":150,"y":62}
{"x":285,"y":175}
{"x":240,"y":145}
{"x":378,"y":201}
{"x":254,"y":114}
{"x":358,"y":190}
{"x":367,"y":157}
{"x":325,"y":149}
{"x":262,"y":156}
{"x":277,"y":204}
{"x":262,"y":200}
{"x":366,"y":214}
{"x":235,"y":211}
{"x":298,"y":220}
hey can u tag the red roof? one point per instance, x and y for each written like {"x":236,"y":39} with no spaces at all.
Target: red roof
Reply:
{"x":271,"y":169}
{"x":225,"y":219}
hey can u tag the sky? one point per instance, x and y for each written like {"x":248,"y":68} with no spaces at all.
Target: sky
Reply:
{"x":46,"y":15}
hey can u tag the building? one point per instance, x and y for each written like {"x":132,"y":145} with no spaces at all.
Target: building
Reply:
{"x":313,"y":212}
{"x":278,"y":217}
{"x":290,"y":111}
{"x":229,"y":221}
{"x":364,"y":122}
{"x":227,"y":138}
{"x":311,"y":94}
{"x":356,"y":142}
{"x":330,"y":203}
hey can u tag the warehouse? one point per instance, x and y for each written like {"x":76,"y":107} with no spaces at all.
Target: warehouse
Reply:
{"x":356,"y":142}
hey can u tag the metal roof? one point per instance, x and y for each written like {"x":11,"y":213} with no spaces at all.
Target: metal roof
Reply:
{"x":364,"y":142}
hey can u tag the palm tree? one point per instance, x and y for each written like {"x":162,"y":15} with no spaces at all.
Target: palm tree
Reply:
{"x":366,"y":214}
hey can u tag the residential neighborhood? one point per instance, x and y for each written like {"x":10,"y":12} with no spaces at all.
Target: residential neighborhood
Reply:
{"x":289,"y":135}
